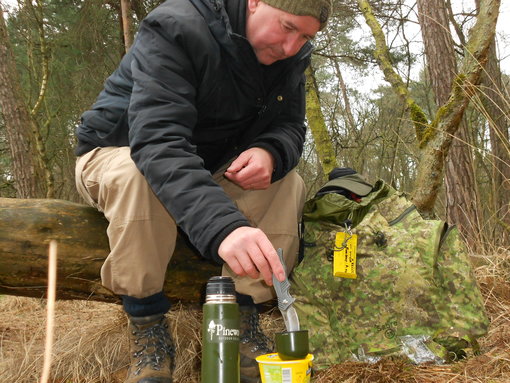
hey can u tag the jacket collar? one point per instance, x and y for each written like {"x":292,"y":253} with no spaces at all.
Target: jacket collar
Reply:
{"x":236,"y":11}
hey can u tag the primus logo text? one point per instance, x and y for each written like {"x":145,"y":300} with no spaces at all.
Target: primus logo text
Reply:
{"x":221,"y":332}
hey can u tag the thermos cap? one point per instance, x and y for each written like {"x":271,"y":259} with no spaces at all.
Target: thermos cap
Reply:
{"x":220,"y":286}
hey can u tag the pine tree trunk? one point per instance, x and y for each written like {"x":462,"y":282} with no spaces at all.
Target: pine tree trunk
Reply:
{"x":493,"y":100}
{"x":438,"y":139}
{"x":27,"y":171}
{"x":462,"y":200}
{"x":42,"y":157}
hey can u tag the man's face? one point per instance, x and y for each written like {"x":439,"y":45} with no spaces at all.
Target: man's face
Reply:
{"x":275,"y":34}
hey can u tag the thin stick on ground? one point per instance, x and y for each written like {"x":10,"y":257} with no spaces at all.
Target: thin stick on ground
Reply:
{"x":50,"y":310}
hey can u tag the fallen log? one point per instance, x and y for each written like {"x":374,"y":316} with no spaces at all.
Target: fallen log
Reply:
{"x":28,"y":225}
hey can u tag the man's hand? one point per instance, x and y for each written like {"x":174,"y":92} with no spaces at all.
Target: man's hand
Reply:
{"x":252,"y":170}
{"x":248,"y":251}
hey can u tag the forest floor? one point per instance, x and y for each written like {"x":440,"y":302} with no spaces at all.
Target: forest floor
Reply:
{"x":91,"y":342}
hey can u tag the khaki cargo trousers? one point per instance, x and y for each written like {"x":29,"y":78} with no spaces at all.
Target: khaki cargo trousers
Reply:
{"x":142,"y":234}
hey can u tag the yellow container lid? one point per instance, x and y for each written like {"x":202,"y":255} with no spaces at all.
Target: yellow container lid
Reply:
{"x":275,"y":359}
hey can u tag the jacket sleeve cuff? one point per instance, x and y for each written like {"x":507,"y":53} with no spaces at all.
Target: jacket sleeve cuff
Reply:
{"x":216,"y":242}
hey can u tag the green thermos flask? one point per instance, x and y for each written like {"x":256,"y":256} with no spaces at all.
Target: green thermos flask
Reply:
{"x":220,"y":332}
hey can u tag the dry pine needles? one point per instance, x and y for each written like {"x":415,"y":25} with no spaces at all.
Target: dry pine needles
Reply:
{"x":91,"y":343}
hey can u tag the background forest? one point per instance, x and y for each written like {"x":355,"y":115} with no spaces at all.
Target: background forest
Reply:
{"x":380,"y":74}
{"x":414,"y":92}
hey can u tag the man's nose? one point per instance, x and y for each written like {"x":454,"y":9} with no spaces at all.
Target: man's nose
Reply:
{"x":292,"y":44}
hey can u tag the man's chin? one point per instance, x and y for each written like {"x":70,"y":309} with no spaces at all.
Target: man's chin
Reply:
{"x":268,"y":59}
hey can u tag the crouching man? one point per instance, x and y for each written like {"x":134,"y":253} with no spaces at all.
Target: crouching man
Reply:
{"x":200,"y":128}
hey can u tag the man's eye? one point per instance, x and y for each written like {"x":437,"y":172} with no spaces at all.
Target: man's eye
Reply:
{"x":287,"y":27}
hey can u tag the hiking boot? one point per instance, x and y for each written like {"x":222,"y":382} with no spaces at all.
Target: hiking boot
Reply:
{"x":253,"y":343}
{"x":151,"y":350}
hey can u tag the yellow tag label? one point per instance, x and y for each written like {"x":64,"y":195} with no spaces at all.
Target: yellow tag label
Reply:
{"x":344,"y":261}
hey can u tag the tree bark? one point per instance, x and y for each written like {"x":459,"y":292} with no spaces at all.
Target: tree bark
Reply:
{"x":438,"y":42}
{"x":461,"y":192}
{"x":42,"y":156}
{"x":126,"y":23}
{"x":27,"y":171}
{"x":317,"y":125}
{"x":496,"y":109}
{"x":27,"y":226}
{"x":437,"y":140}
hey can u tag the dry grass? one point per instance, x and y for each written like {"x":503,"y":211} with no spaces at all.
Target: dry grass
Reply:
{"x":91,"y":342}
{"x":88,"y":345}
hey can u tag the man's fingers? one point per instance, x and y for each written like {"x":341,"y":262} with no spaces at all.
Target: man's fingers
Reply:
{"x":253,"y":167}
{"x":235,"y":266}
{"x":263,"y":266}
{"x":238,"y":164}
{"x":271,"y":263}
{"x":242,"y":172}
{"x":274,"y":261}
{"x":248,"y":251}
{"x":249,"y":267}
{"x":242,"y":264}
{"x":248,"y":180}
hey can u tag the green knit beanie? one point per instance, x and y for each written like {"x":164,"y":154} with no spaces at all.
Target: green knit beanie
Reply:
{"x":320,"y":9}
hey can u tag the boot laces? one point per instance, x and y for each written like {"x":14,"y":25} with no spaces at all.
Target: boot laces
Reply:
{"x":255,"y":335}
{"x":155,"y":345}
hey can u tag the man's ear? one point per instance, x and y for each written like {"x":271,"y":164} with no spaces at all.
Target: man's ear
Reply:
{"x":252,"y":5}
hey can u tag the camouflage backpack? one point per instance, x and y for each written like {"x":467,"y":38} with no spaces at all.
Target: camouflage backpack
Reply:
{"x":414,"y":295}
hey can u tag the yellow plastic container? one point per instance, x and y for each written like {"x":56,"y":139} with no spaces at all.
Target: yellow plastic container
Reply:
{"x":275,"y":370}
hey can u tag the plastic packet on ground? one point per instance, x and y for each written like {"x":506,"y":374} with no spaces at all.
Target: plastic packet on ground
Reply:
{"x":418,"y":349}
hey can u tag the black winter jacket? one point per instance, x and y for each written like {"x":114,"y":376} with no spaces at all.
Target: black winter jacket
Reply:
{"x":189,"y":96}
